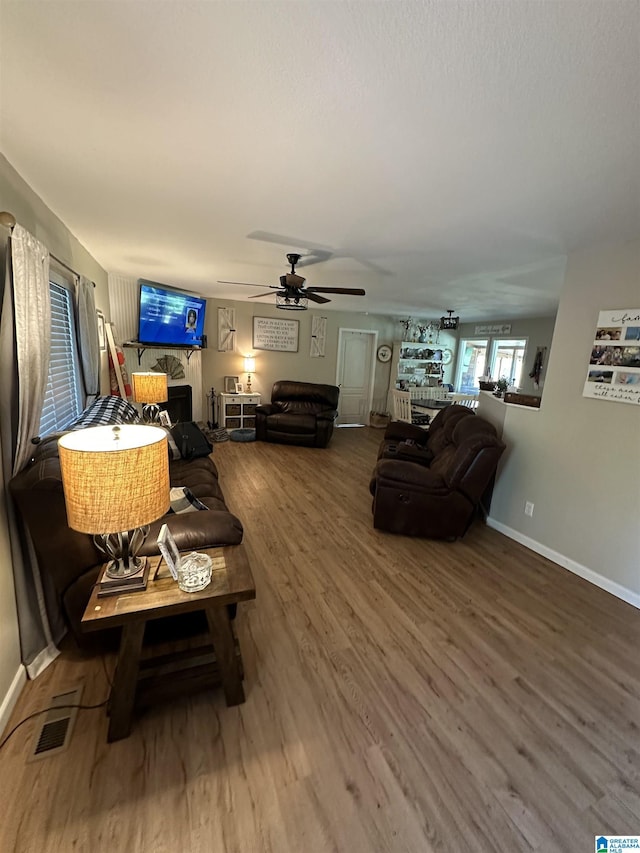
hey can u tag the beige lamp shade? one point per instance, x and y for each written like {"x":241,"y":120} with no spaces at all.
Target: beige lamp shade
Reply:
{"x":150,"y":387}
{"x":249,"y":364}
{"x":115,"y":478}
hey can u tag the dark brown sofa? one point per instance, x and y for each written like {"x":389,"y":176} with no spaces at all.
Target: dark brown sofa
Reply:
{"x":69,"y":562}
{"x":301,"y":413}
{"x":431,"y":483}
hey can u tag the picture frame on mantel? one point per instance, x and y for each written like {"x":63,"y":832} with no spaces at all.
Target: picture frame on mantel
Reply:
{"x":275,"y":334}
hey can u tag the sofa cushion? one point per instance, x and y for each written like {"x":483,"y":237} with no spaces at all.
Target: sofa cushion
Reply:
{"x":293,"y":422}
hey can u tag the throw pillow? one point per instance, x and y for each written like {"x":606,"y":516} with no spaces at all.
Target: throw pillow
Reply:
{"x":106,"y":410}
{"x":183,"y":500}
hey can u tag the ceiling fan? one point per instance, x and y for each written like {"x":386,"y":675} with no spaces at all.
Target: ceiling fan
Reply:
{"x":317,"y":252}
{"x":291,"y":294}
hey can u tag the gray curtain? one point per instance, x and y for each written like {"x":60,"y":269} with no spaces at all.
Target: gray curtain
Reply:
{"x":32,"y":331}
{"x":20,"y":406}
{"x":87,"y":334}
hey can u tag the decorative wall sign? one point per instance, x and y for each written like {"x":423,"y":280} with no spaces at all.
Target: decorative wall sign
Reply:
{"x":318,"y":336}
{"x":272,"y":333}
{"x":102,"y":340}
{"x":170,"y":365}
{"x":614,"y":364}
{"x":226,"y":329}
{"x":494,"y":329}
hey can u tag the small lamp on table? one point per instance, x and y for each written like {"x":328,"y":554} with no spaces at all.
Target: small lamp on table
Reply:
{"x":150,"y":389}
{"x":249,"y":368}
{"x":116,"y":482}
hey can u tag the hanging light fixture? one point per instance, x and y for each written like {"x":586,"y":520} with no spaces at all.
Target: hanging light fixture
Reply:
{"x":449,"y":322}
{"x":289,"y":302}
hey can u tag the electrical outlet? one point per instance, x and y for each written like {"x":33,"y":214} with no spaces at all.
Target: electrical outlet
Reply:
{"x":528,"y":508}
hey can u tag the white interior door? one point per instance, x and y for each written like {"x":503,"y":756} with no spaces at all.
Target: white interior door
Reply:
{"x":355,"y":372}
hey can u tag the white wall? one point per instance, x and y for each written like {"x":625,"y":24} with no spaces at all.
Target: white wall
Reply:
{"x":578,"y":459}
{"x":30,"y":211}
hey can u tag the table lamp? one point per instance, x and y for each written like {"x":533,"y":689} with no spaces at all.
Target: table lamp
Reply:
{"x":150,"y":389}
{"x":116,"y":482}
{"x":249,"y":368}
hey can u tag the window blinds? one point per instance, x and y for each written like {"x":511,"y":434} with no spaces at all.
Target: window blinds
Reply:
{"x":62,"y":399}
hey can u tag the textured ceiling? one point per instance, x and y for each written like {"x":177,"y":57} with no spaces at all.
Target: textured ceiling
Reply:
{"x":463,"y":147}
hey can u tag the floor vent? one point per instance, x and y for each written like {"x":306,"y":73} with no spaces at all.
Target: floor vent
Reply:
{"x":57,"y":725}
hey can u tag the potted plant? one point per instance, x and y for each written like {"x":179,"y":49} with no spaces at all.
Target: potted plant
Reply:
{"x":501,"y":387}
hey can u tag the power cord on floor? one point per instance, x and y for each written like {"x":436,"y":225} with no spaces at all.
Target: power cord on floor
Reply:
{"x":45,"y":711}
{"x":59,"y":707}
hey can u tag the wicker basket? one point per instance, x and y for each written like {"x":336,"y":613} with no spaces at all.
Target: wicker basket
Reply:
{"x":487,"y":386}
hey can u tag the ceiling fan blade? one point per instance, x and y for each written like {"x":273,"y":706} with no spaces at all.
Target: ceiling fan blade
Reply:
{"x":370,"y":265}
{"x":249,"y":284}
{"x":258,"y":295}
{"x":352,"y":291}
{"x":315,"y":298}
{"x":288,"y":241}
{"x":316,"y":257}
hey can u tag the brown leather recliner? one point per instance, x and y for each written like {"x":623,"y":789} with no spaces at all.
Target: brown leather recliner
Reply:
{"x":400,"y":436}
{"x":437,"y":498}
{"x":301,"y":413}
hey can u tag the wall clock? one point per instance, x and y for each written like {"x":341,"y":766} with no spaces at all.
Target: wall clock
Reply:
{"x":384,"y":353}
{"x":447,"y":355}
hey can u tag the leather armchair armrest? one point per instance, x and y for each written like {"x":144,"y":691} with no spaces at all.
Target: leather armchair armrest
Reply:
{"x":400,"y":474}
{"x":401,"y":430}
{"x":193,"y":530}
{"x":267,"y":409}
{"x":327,"y":415}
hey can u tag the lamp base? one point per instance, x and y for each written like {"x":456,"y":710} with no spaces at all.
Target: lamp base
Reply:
{"x":112,"y":584}
{"x":125,"y":571}
{"x":151,"y":413}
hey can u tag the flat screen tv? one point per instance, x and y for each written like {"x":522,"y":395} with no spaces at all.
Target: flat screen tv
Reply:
{"x":170,"y":317}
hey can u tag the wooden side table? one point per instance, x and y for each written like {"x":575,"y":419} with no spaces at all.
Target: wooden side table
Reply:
{"x":230,"y":584}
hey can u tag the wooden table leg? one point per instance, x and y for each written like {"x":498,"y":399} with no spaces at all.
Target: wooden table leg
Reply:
{"x":224,"y":647}
{"x":123,"y":692}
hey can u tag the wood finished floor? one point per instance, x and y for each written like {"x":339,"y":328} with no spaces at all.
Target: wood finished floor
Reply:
{"x":402,"y":695}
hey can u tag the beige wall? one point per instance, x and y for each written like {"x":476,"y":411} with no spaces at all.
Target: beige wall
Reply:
{"x":578,"y":459}
{"x":538,"y":331}
{"x":272,"y":366}
{"x":30,"y":211}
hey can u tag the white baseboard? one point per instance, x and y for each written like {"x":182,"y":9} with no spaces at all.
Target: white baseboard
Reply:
{"x":11,"y":697}
{"x":614,"y":588}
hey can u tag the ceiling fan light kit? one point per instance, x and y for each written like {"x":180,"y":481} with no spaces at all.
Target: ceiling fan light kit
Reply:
{"x":291,"y":294}
{"x":291,"y":303}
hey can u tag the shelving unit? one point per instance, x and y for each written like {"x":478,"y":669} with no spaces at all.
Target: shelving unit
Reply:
{"x":237,"y":411}
{"x":142,"y":347}
{"x":418,"y":363}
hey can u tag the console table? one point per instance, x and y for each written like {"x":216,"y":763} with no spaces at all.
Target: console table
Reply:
{"x":238,"y":411}
{"x":154,"y":678}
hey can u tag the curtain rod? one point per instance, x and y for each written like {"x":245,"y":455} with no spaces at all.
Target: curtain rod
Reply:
{"x":9,"y":221}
